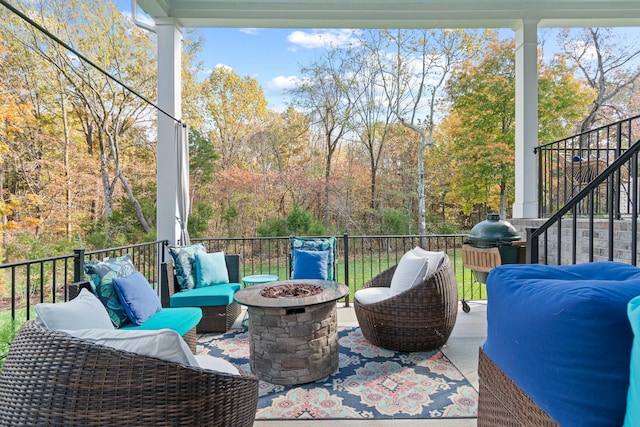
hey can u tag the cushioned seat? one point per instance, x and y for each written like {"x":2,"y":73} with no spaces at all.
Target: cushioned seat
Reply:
{"x":180,"y":319}
{"x":562,"y":336}
{"x":203,"y":297}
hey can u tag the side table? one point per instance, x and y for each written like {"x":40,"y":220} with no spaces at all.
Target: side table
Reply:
{"x":255,"y":279}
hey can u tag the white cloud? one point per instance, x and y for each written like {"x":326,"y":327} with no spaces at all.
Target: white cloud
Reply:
{"x":250,"y":31}
{"x":280,"y":84}
{"x":322,"y":38}
{"x":225,"y":66}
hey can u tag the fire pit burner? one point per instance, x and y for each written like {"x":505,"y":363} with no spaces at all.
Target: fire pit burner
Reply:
{"x":290,"y":291}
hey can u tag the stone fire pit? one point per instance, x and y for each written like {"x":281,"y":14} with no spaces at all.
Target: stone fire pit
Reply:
{"x":293,"y":329}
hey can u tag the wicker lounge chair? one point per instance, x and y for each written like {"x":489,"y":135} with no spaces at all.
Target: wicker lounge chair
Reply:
{"x":419,"y":319}
{"x":50,"y":378}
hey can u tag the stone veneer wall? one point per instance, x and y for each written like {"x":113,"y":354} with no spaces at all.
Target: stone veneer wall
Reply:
{"x":621,"y":240}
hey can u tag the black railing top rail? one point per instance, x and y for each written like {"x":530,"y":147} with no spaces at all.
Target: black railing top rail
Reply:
{"x":368,"y":236}
{"x":36,"y":261}
{"x":571,"y":205}
{"x":124,"y":248}
{"x":586,"y":133}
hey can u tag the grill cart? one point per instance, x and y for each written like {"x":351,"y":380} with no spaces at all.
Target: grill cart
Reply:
{"x":490,"y":243}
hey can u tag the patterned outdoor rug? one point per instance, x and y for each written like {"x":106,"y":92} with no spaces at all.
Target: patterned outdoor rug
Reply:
{"x":371,"y":382}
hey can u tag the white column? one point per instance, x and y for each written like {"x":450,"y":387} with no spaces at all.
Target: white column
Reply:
{"x":169,"y":99}
{"x":526,"y":201}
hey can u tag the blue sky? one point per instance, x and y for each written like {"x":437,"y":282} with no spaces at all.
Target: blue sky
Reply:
{"x":271,"y":56}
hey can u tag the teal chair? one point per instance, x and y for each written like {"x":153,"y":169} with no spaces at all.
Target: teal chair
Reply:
{"x":313,"y":257}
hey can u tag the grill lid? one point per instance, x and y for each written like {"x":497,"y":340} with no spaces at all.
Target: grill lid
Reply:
{"x":493,"y":230}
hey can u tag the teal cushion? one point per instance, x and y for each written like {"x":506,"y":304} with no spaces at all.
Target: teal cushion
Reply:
{"x":138,"y":298}
{"x":211,"y":269}
{"x":181,"y":320}
{"x":316,"y":244}
{"x":310,"y":264}
{"x":632,"y":416}
{"x":184,"y":262}
{"x":101,"y":275}
{"x":210,"y":296}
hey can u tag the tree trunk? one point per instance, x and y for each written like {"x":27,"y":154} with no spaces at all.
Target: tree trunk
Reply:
{"x":422,"y":197}
{"x":503,"y":200}
{"x":327,"y":174}
{"x":136,"y":204}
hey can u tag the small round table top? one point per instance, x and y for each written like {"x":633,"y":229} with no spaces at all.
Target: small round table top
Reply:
{"x":257,"y":279}
{"x":251,"y":296}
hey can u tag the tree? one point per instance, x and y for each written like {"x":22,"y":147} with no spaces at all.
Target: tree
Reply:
{"x":371,"y":118}
{"x":481,"y":123}
{"x":236,"y":109}
{"x":288,"y":138}
{"x":414,"y":66}
{"x":609,"y":65}
{"x":325,"y":94}
{"x":106,"y":111}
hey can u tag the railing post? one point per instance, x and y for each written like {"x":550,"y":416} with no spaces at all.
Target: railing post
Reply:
{"x":345,"y":242}
{"x":78,"y":265}
{"x":532,"y":246}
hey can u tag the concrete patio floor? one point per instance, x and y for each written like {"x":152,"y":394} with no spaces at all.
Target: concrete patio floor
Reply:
{"x":462,"y":349}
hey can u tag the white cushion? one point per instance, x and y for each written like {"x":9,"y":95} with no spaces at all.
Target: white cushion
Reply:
{"x":435,"y":259}
{"x":410,"y":270}
{"x":372,"y":295}
{"x":165,"y":344}
{"x":84,"y":311}
{"x":216,"y":364}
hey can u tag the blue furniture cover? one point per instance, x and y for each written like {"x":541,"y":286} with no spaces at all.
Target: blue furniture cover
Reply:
{"x":562,"y":335}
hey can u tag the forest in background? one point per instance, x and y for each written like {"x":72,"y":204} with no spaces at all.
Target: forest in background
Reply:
{"x":404,"y":132}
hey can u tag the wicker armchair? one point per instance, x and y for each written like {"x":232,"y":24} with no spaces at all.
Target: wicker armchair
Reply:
{"x":419,"y":319}
{"x":50,"y":378}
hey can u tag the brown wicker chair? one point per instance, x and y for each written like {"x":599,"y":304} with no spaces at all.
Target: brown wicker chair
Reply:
{"x":50,"y":378}
{"x":419,"y":319}
{"x":502,"y":403}
{"x":214,"y":318}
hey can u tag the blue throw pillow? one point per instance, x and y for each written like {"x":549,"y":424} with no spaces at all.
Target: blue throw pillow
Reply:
{"x":184,"y":262}
{"x":137,"y":297}
{"x":101,"y":275}
{"x":211,"y":269}
{"x":632,"y":417}
{"x":315,"y":244}
{"x":310,"y":264}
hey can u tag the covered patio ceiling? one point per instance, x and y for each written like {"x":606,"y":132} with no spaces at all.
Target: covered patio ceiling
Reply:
{"x":393,"y":13}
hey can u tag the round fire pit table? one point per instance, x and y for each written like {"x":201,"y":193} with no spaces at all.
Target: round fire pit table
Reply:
{"x":293,"y":340}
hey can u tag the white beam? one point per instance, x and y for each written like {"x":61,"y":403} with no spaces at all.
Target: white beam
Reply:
{"x":169,"y":100}
{"x":526,"y":201}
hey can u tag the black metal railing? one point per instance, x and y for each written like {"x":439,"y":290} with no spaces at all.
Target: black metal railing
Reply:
{"x":358,"y":259}
{"x":567,"y":166}
{"x":47,"y":279}
{"x":593,"y":234}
